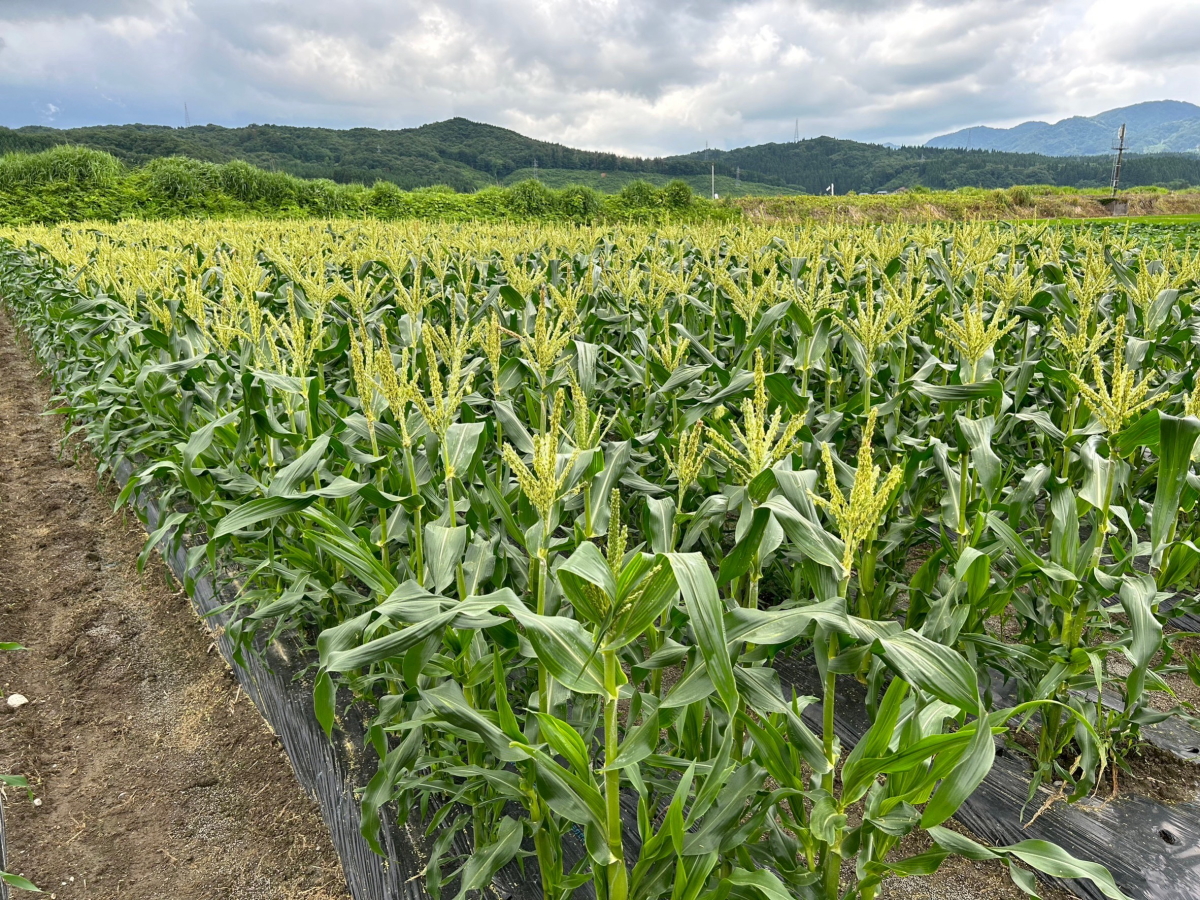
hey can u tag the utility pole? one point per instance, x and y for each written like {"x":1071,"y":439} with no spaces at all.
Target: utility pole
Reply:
{"x":714,"y":179}
{"x":1116,"y":172}
{"x":796,"y":133}
{"x":187,"y":119}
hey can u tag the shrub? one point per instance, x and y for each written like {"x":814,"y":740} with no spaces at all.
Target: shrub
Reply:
{"x":677,"y":195}
{"x":251,"y":184}
{"x":180,"y":178}
{"x":580,"y":203}
{"x":323,"y":197}
{"x":640,"y":195}
{"x":385,"y":200}
{"x":531,"y":198}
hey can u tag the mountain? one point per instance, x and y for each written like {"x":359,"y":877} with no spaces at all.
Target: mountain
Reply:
{"x":1159,"y":126}
{"x":468,"y":156}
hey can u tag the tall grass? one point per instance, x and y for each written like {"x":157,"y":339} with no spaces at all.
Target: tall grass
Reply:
{"x":79,"y":166}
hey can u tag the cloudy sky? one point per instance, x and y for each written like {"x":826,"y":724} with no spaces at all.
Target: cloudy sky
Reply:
{"x":636,"y":76}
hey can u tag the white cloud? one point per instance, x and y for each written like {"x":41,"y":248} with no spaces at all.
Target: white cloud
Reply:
{"x":637,"y":76}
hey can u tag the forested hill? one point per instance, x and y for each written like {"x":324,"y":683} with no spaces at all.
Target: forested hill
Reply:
{"x":815,"y":164}
{"x":468,"y":155}
{"x":465,"y":155}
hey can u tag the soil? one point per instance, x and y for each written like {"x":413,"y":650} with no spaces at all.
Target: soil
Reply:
{"x":1157,"y":774}
{"x":156,"y":777}
{"x":958,"y":878}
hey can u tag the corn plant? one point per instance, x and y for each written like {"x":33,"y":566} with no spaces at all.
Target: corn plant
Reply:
{"x":562,"y":508}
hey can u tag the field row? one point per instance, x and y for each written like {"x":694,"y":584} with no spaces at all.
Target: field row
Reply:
{"x":553,"y":502}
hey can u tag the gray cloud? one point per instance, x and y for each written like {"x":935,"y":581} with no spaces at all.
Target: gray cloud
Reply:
{"x":640,"y":76}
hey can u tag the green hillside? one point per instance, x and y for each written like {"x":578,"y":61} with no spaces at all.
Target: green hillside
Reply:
{"x":468,"y":156}
{"x":612,"y":182}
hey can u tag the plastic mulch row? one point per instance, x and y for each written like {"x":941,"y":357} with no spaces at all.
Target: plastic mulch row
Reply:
{"x":3,"y":854}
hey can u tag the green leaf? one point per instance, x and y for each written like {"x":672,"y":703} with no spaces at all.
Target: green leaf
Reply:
{"x":825,"y":821}
{"x":1160,"y":309}
{"x":742,"y":556}
{"x":984,"y":461}
{"x":462,"y":440}
{"x":1138,"y":593}
{"x":960,"y":844}
{"x":1057,"y":862}
{"x":693,"y":686}
{"x":640,"y":741}
{"x":484,"y":862}
{"x":289,"y":479}
{"x":1177,"y":437}
{"x":782,"y":626}
{"x":201,"y":439}
{"x":810,"y":538}
{"x":921,"y":864}
{"x":974,"y":569}
{"x":388,"y":646}
{"x":566,"y":742}
{"x":165,"y":526}
{"x":616,"y":458}
{"x":759,"y":687}
{"x":583,"y":568}
{"x":1142,"y":432}
{"x":567,"y":651}
{"x":444,"y":548}
{"x":967,"y":775}
{"x":960,"y":393}
{"x":447,"y":700}
{"x":18,"y":882}
{"x":873,"y":744}
{"x":569,"y":795}
{"x":652,"y":595}
{"x":766,"y":324}
{"x":324,"y":696}
{"x":660,"y":513}
{"x":515,"y":431}
{"x":259,"y":510}
{"x":934,"y":668}
{"x":357,"y":556}
{"x":707,"y":614}
{"x":763,"y":881}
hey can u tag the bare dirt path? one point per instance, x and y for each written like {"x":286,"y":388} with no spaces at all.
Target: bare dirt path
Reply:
{"x":157,"y":777}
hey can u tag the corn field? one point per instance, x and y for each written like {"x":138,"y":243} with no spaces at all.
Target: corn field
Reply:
{"x":552,"y":503}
